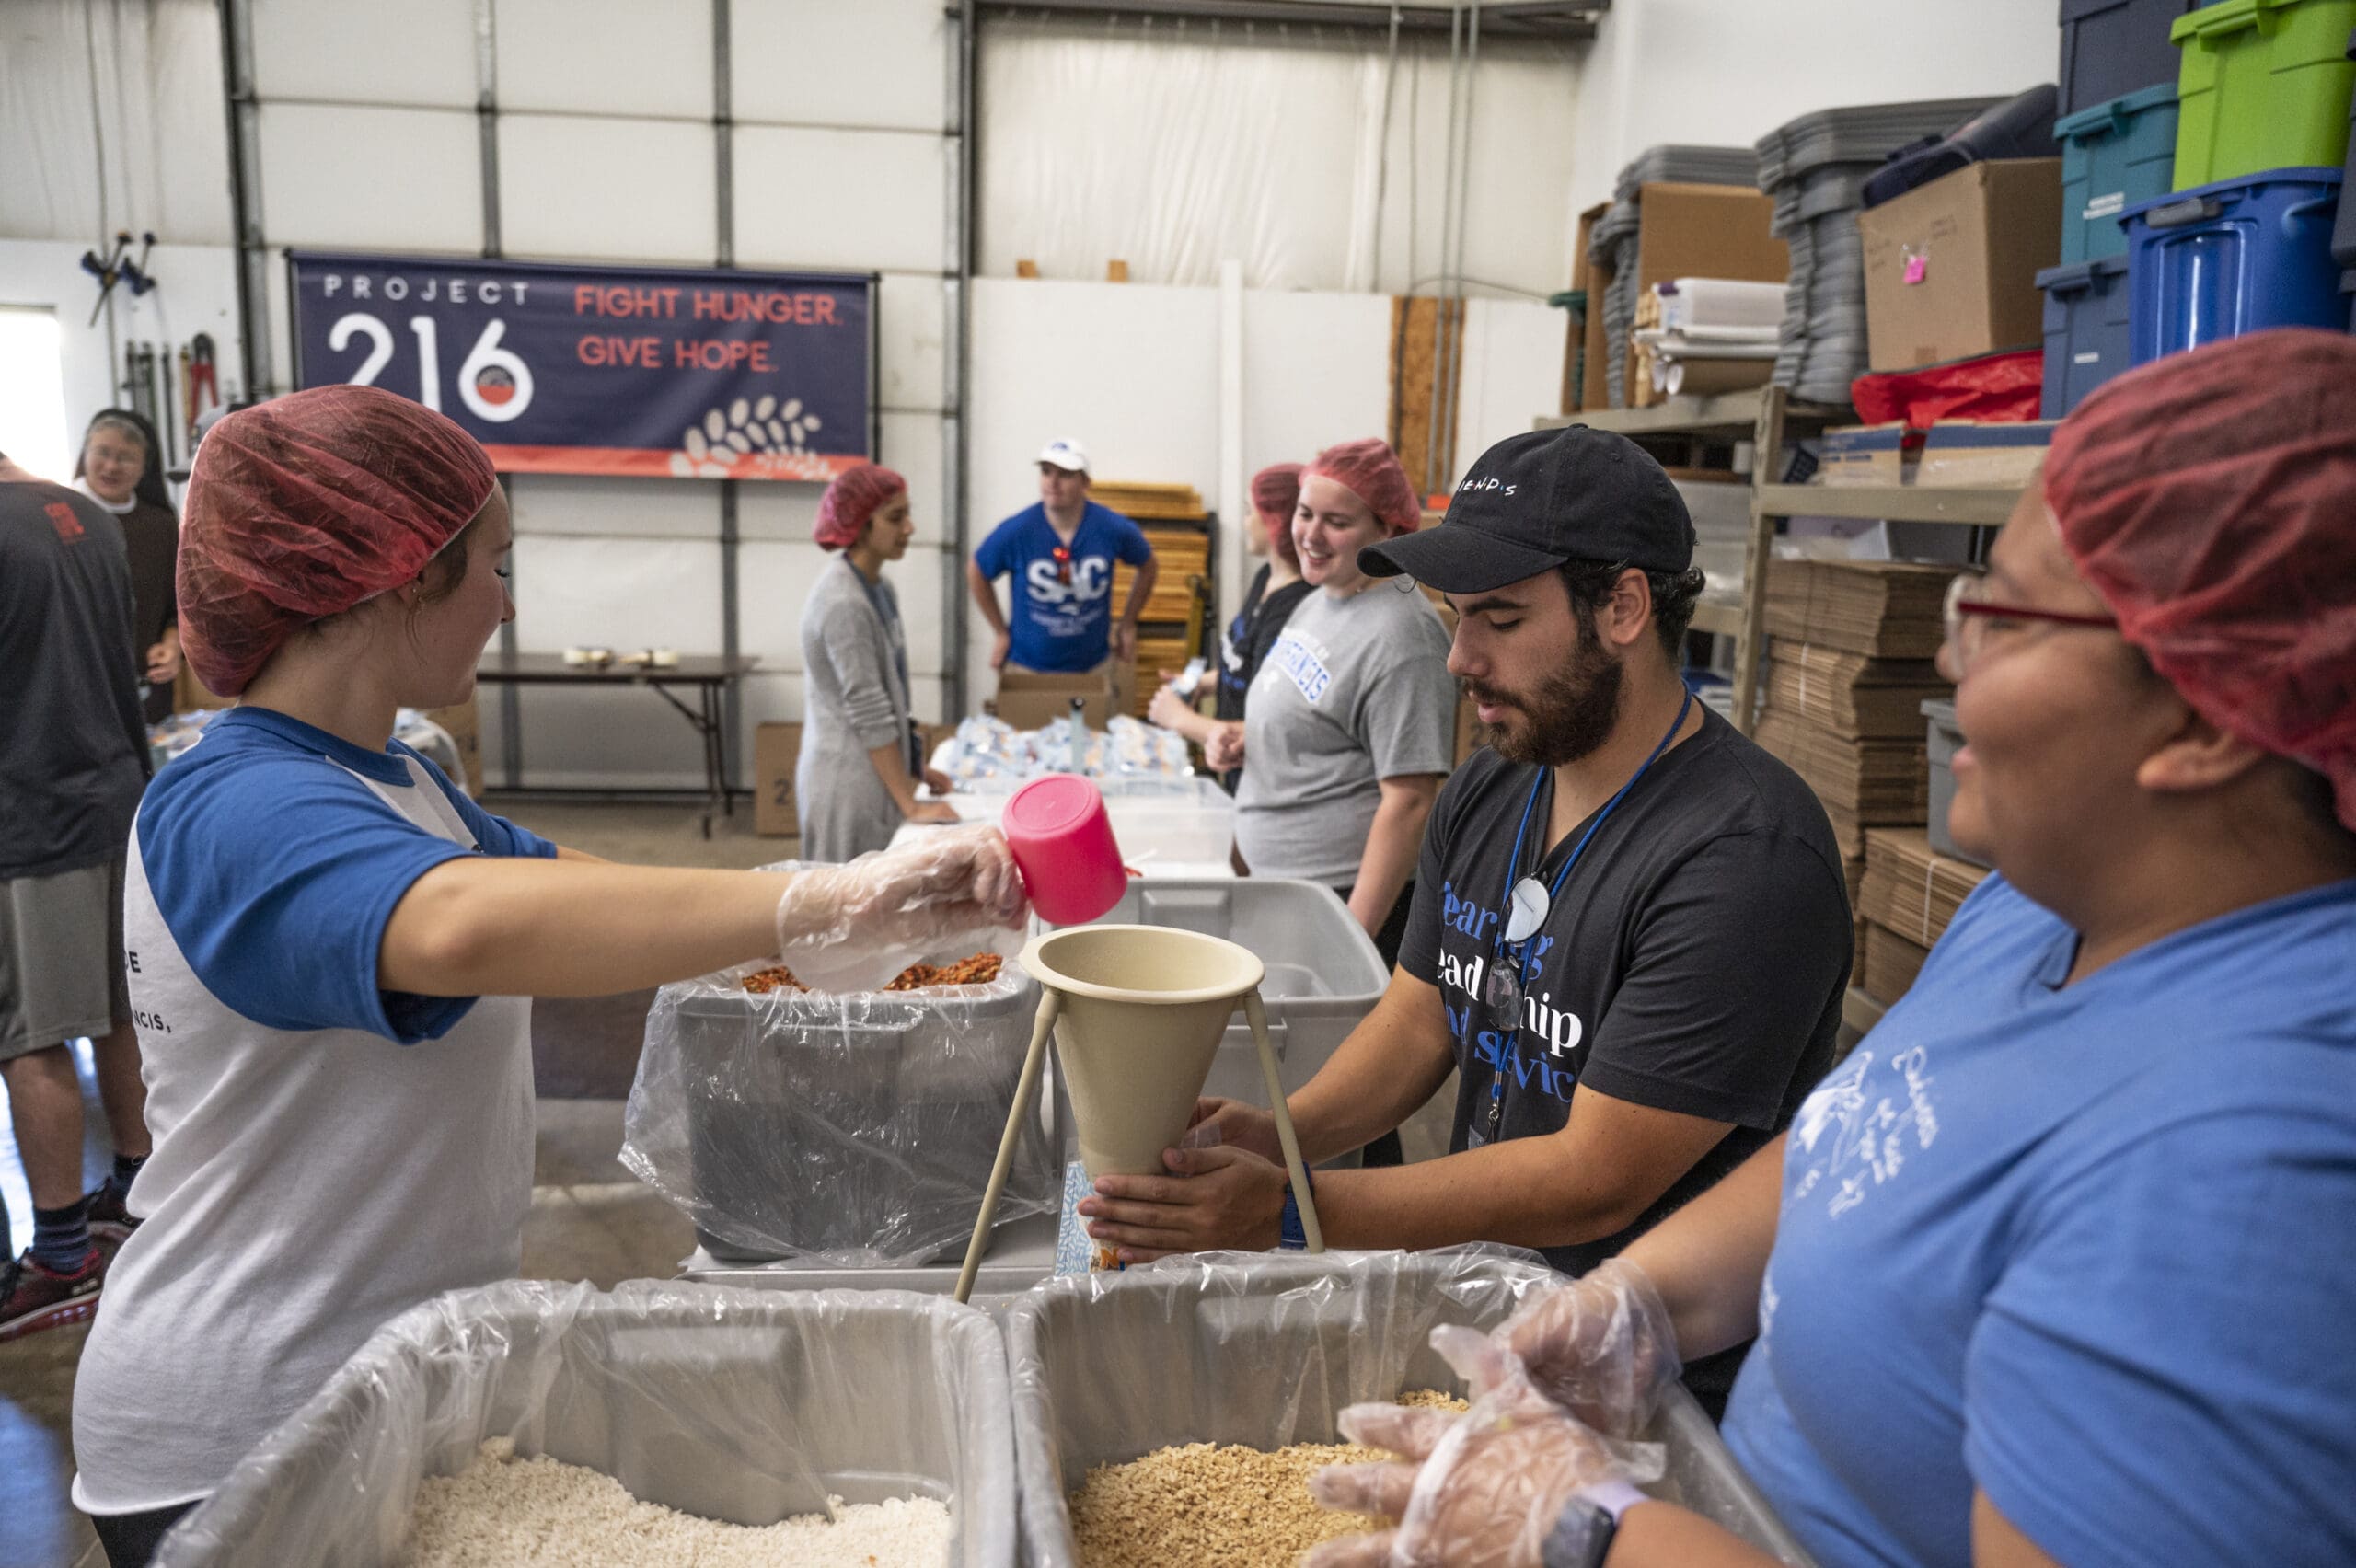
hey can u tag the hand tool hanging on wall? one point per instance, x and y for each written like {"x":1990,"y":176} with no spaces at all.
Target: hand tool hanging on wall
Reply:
{"x":188,"y":404}
{"x":204,"y":388}
{"x":168,"y":429}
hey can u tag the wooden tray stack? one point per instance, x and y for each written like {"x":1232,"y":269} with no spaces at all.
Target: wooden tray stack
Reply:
{"x":1850,"y":645}
{"x":1181,"y":530}
{"x":1910,"y":892}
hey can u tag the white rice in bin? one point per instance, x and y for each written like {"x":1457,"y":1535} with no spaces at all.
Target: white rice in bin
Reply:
{"x":504,"y":1511}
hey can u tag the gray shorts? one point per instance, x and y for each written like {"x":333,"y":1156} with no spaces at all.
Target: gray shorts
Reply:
{"x":61,"y":959}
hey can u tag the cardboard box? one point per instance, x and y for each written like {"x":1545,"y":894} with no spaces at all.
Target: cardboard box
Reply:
{"x":1951,"y":267}
{"x":465,"y":724}
{"x":1968,"y":452}
{"x":1030,"y":699}
{"x":1868,"y":454}
{"x":777,"y":750}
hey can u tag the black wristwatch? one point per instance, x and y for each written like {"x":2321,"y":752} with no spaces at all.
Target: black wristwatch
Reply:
{"x":1588,"y":1522}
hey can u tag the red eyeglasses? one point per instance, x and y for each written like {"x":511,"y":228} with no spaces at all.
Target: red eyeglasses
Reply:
{"x":1968,"y":617}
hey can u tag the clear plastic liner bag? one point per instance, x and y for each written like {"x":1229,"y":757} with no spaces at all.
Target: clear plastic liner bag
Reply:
{"x":859,"y":1129}
{"x":852,"y":927}
{"x":743,"y":1406}
{"x":1268,"y":1349}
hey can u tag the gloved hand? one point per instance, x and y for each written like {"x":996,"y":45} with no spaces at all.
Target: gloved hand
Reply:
{"x":1487,"y":1487}
{"x":1601,"y":1346}
{"x":851,"y":927}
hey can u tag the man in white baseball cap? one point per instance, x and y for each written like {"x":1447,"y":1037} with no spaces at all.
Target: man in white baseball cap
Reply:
{"x":1059,"y":553}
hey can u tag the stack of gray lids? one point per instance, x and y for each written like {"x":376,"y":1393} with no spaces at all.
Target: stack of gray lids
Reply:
{"x":1612,"y":242}
{"x":1816,"y":169}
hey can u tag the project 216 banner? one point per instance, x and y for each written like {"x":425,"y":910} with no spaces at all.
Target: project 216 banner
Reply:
{"x":603,"y":370}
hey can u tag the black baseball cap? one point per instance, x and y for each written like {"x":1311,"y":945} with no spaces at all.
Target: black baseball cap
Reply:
{"x":1532,"y":502}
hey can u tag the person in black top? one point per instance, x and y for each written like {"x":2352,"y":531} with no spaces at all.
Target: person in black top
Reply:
{"x":1630,"y":935}
{"x":1276,"y":588}
{"x":121,"y":468}
{"x":72,"y":762}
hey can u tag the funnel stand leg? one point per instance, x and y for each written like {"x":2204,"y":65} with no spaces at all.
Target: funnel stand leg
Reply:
{"x":1051,"y":1003}
{"x":1257,"y":1012}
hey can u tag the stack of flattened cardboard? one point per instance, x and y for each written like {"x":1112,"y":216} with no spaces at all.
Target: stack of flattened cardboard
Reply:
{"x":1849,"y":668}
{"x":1883,"y":609}
{"x":1910,"y":892}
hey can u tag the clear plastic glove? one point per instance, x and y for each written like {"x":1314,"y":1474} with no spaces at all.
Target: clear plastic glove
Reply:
{"x":1482,"y":1490}
{"x":1601,"y":1346}
{"x":851,"y":927}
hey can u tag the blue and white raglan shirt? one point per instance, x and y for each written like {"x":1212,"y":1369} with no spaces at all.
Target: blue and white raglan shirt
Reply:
{"x":327,"y":1153}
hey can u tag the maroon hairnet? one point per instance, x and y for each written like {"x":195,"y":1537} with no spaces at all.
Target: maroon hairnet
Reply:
{"x":1369,"y":470}
{"x":2210,"y":499}
{"x":850,"y":501}
{"x":304,"y":506}
{"x":1276,"y":495}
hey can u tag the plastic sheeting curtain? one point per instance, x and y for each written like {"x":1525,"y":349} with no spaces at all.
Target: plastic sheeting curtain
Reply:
{"x":110,"y":115}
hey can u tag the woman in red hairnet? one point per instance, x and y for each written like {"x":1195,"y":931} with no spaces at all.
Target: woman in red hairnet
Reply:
{"x":1350,"y":725}
{"x":2057,"y":1267}
{"x":1268,"y":603}
{"x":856,"y":780}
{"x":330,"y":947}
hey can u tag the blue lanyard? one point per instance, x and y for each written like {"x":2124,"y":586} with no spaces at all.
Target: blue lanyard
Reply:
{"x":1513,"y":868}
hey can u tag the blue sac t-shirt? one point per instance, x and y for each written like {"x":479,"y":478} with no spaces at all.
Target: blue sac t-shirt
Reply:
{"x":1061,"y":620}
{"x":2091,"y":1250}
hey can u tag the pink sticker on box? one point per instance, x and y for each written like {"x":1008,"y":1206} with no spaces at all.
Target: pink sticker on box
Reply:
{"x":1916,"y":268}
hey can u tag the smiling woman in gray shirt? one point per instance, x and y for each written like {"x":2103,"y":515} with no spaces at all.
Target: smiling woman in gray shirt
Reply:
{"x":856,"y":778}
{"x":1349,"y":724}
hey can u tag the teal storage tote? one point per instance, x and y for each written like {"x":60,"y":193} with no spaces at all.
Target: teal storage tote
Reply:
{"x":2114,"y":155}
{"x":2233,"y":257}
{"x":2265,"y":85}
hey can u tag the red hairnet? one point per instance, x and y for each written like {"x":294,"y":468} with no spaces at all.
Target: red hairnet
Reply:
{"x":2210,"y":499}
{"x":302,"y":507}
{"x":850,"y":501}
{"x":1369,"y":470}
{"x":1276,"y":495}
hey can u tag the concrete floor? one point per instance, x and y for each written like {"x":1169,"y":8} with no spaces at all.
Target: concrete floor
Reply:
{"x":590,"y":1219}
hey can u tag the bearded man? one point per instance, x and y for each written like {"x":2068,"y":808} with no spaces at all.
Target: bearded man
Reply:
{"x":1630,"y":933}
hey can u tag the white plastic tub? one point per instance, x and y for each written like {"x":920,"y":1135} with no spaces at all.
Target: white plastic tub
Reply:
{"x":748,"y":1408}
{"x":1266,"y":1351}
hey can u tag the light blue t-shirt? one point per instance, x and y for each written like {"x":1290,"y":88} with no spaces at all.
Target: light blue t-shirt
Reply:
{"x":2090,"y":1250}
{"x":1062,"y":615}
{"x":276,"y":872}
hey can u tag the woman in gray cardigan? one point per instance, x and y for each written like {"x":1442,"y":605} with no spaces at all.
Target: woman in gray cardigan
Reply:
{"x":858,"y":772}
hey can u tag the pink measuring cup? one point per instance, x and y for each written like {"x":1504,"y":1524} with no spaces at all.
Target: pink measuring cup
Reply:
{"x":1063,"y":845}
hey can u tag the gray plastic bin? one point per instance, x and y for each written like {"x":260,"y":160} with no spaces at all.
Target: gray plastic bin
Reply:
{"x":1324,"y":974}
{"x":1267,"y":1351}
{"x":748,"y":1408}
{"x":860,"y":1128}
{"x":1944,"y":738}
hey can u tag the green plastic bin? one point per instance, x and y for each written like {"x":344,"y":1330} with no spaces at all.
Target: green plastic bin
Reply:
{"x":2265,"y":85}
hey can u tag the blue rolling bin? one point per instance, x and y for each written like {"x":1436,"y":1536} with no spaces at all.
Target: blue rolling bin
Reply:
{"x":2235,"y":257}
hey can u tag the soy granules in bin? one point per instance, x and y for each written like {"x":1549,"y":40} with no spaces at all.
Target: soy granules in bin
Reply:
{"x":1225,"y":1505}
{"x":510,"y":1512}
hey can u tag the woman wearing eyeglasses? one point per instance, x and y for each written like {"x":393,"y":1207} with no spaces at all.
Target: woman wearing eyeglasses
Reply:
{"x":2058,"y":1266}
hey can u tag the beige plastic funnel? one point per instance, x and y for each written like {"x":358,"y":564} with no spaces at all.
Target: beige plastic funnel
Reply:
{"x":1145,"y":1008}
{"x":1137,"y":1013}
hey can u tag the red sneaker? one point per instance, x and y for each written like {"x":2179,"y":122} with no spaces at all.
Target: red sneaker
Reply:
{"x":33,"y":1296}
{"x":109,"y":1217}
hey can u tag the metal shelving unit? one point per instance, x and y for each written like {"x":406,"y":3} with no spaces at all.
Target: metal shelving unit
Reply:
{"x":1761,"y":417}
{"x":1895,"y":503}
